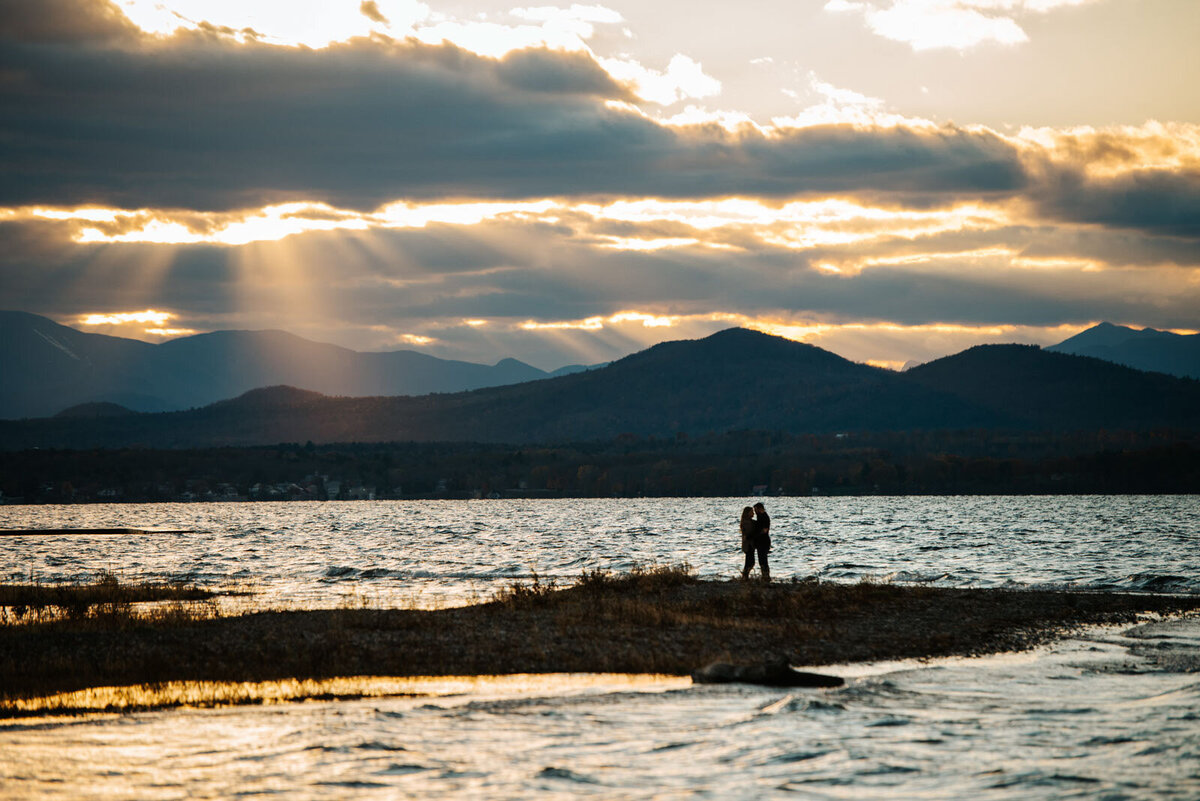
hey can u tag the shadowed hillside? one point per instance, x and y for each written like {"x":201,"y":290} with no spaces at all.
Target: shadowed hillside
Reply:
{"x":1031,"y":387}
{"x":734,"y":379}
{"x":47,"y":367}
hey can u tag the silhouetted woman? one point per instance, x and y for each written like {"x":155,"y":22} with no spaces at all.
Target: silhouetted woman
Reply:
{"x":749,"y":527}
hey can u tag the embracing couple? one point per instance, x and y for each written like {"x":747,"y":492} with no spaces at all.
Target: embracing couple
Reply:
{"x":756,"y":537}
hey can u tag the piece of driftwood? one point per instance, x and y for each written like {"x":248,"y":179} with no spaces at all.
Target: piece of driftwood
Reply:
{"x":770,"y":673}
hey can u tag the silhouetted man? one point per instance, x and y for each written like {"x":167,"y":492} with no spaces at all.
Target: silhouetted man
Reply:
{"x":762,"y":539}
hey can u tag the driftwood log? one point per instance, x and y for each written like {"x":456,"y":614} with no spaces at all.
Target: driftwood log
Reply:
{"x":771,"y":673}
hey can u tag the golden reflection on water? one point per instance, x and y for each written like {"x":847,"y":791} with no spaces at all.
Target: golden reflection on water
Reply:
{"x":204,"y":694}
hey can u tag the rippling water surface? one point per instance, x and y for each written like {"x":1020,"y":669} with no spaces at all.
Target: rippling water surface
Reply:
{"x":1111,"y":714}
{"x":427,"y":553}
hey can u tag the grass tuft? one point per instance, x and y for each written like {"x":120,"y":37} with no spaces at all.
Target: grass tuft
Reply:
{"x":599,"y":585}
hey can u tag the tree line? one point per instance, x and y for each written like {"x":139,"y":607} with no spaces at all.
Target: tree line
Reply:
{"x":728,"y":464}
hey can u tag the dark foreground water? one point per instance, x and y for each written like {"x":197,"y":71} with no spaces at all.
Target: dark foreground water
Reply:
{"x":1113,"y":713}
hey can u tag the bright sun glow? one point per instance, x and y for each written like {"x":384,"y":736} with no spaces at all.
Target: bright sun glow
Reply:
{"x":589,"y":324}
{"x":641,"y":319}
{"x":647,"y":320}
{"x":798,"y":225}
{"x":140,"y":324}
{"x":121,"y":318}
{"x":170,"y":332}
{"x":189,"y":228}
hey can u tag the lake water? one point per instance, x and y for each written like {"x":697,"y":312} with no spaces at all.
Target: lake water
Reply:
{"x":428,"y":553}
{"x":1110,"y":714}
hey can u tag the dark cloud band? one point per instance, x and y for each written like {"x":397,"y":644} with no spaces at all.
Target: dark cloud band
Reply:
{"x":199,"y":121}
{"x":91,"y":111}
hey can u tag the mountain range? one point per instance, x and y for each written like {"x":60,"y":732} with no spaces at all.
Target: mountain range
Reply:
{"x":49,"y":367}
{"x":1145,"y":349}
{"x":733,"y":380}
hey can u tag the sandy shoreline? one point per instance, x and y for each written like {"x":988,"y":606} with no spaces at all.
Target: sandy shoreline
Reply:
{"x":657,"y":622}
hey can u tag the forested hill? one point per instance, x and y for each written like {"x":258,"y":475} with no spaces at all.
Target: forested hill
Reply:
{"x":1041,"y":389}
{"x":732,"y":380}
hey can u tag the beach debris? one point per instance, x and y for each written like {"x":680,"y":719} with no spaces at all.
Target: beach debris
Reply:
{"x":770,"y":673}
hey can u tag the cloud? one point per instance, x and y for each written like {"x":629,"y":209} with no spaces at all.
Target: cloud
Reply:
{"x":319,"y":23}
{"x":576,"y":12}
{"x":639,"y":224}
{"x":310,"y":23}
{"x":382,"y":188}
{"x":370,"y":10}
{"x":210,"y":124}
{"x":1144,"y":178}
{"x":557,"y":73}
{"x":64,"y":22}
{"x":199,"y":123}
{"x":1153,"y":201}
{"x":841,"y":106}
{"x":950,"y":24}
{"x":510,"y":270}
{"x":682,"y":80}
{"x":203,"y":124}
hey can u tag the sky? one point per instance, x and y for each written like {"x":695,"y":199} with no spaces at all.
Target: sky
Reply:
{"x":892,"y":180}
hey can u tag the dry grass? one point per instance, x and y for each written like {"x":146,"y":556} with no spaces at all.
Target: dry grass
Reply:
{"x":655,"y":620}
{"x":106,"y":602}
{"x":640,"y":580}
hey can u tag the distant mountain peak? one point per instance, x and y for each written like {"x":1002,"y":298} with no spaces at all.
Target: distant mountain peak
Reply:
{"x":738,"y":341}
{"x":748,"y":337}
{"x":734,"y":349}
{"x":1110,"y":334}
{"x":1143,"y":349}
{"x":738,"y":332}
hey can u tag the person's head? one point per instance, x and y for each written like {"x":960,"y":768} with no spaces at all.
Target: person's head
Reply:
{"x":747,"y":513}
{"x":758,"y":507}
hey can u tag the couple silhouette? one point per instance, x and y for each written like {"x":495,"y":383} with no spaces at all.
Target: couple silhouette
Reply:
{"x":756,"y":538}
